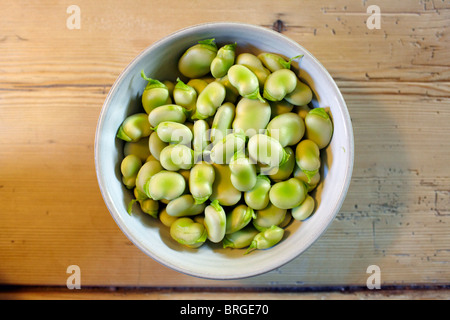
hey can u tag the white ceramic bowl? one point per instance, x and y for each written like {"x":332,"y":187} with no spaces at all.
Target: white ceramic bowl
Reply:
{"x":211,"y":261}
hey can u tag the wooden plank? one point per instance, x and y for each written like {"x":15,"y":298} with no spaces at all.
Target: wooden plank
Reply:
{"x":395,"y":80}
{"x":227,"y":295}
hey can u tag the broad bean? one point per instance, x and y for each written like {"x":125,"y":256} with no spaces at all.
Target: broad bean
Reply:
{"x":183,"y":206}
{"x":198,"y":84}
{"x":304,"y":210}
{"x":223,"y":60}
{"x":307,"y":157}
{"x":168,"y":112}
{"x":177,"y":156}
{"x":148,"y":170}
{"x":268,"y":217}
{"x":134,"y":127}
{"x":187,"y":232}
{"x":279,"y":84}
{"x":209,"y":100}
{"x":150,"y":207}
{"x":222,"y":122}
{"x":310,"y":182}
{"x":185,"y":96}
{"x":138,"y":148}
{"x":156,"y":145}
{"x":201,"y":181}
{"x":241,"y":238}
{"x":243,"y":172}
{"x":280,"y":107}
{"x":251,"y":116}
{"x":166,"y":185}
{"x":223,"y":189}
{"x":288,"y":194}
{"x":266,"y":239}
{"x":155,"y":94}
{"x":267,"y":150}
{"x":239,"y":217}
{"x":224,"y":150}
{"x":258,"y":197}
{"x":287,"y":128}
{"x":231,"y":93}
{"x":215,"y":222}
{"x":255,"y":65}
{"x":201,"y":139}
{"x":174,"y":132}
{"x":285,"y":170}
{"x":274,"y":62}
{"x":245,"y":81}
{"x":166,"y":219}
{"x":302,"y":94}
{"x":319,"y":127}
{"x":130,"y":167}
{"x":196,"y":60}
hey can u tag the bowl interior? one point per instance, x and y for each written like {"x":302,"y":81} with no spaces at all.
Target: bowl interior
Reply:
{"x":159,"y":61}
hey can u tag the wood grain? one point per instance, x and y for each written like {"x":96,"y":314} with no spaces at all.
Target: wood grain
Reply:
{"x":395,"y":80}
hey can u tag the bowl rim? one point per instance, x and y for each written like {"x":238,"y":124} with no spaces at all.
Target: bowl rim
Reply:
{"x":344,"y":186}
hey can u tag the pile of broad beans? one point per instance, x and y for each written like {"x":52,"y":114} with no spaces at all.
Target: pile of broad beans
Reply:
{"x":230,"y":154}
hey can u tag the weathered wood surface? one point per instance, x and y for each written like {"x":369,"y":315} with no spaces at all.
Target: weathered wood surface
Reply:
{"x":395,"y":80}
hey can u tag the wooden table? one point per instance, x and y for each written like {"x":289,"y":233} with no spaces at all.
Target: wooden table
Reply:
{"x":54,"y":79}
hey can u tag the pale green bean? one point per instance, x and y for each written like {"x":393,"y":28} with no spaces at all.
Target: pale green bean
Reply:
{"x":245,"y":81}
{"x":275,"y":62}
{"x":155,"y":94}
{"x":223,"y":189}
{"x":267,"y":150}
{"x":130,"y":167}
{"x":319,"y":127}
{"x":304,"y":210}
{"x":258,"y":197}
{"x":268,"y":217}
{"x":148,"y":170}
{"x":287,"y":128}
{"x":238,"y":218}
{"x":177,"y":156}
{"x":215,"y":222}
{"x":183,"y":206}
{"x":185,"y":96}
{"x":174,"y":132}
{"x":255,"y":65}
{"x":167,"y":112}
{"x":223,"y":60}
{"x":209,"y":100}
{"x":224,"y":150}
{"x":285,"y":170}
{"x":288,"y":194}
{"x":222,"y":121}
{"x":231,"y":93}
{"x":280,"y":107}
{"x":138,"y":148}
{"x":196,"y":60}
{"x":201,"y":138}
{"x":150,"y":207}
{"x":310,"y":182}
{"x":302,"y":94}
{"x":201,"y":181}
{"x":307,"y":157}
{"x":166,"y":185}
{"x":252,"y":116}
{"x":187,"y":232}
{"x":266,"y":239}
{"x":279,"y":84}
{"x":240,"y":239}
{"x":134,"y":127}
{"x":156,"y":145}
{"x":243,"y":172}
